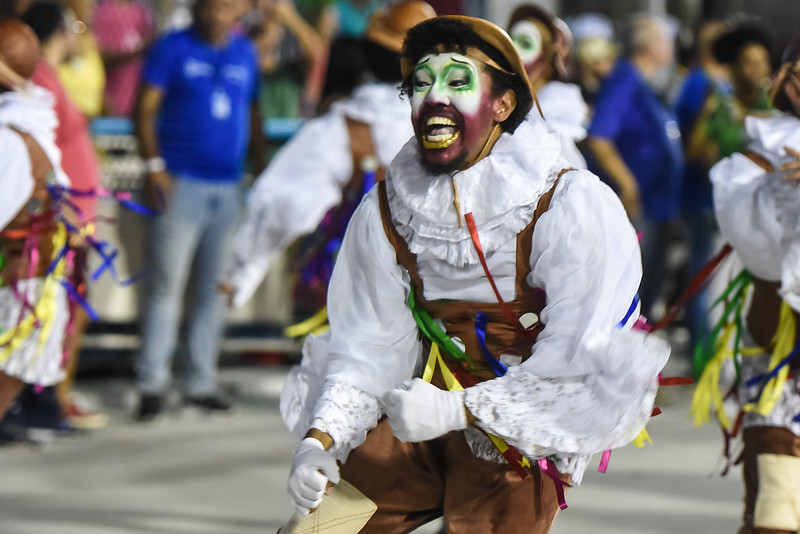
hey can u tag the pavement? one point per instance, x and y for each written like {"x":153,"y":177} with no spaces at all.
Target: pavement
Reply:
{"x":190,"y":473}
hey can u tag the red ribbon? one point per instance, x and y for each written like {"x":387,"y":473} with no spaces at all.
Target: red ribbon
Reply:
{"x":698,"y":282}
{"x":512,"y":319}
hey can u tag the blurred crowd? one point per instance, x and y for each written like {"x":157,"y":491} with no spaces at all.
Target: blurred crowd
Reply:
{"x":646,"y":104}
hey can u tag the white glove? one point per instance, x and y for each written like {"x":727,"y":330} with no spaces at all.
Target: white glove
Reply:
{"x":424,"y":412}
{"x":312,"y":468}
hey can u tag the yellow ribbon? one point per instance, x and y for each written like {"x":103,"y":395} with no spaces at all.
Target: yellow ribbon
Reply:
{"x":44,"y":311}
{"x":452,"y":384}
{"x":783,"y":341}
{"x":707,"y":393}
{"x":316,"y":324}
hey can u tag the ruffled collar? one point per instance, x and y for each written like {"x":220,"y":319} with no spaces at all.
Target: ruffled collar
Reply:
{"x":501,"y":191}
{"x":771,"y":134}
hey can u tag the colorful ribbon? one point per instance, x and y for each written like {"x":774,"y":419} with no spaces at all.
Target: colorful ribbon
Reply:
{"x":481,"y":322}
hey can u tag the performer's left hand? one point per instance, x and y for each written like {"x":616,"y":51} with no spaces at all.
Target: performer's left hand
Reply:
{"x":791,"y":170}
{"x":423,"y":411}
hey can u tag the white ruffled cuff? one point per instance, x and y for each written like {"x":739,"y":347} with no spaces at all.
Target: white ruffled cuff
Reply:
{"x":346,"y":413}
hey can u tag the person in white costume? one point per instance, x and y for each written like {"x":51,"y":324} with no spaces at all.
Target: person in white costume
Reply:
{"x":475,"y":246}
{"x":757,"y":205}
{"x":544,"y":46}
{"x":308,"y":176}
{"x":29,"y":160}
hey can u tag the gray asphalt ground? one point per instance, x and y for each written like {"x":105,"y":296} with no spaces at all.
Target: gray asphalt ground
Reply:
{"x":226,"y":475}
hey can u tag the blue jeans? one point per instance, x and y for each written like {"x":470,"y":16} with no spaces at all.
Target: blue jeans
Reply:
{"x":189,"y":237}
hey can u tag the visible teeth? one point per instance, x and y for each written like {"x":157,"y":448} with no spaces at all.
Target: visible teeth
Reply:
{"x":440,"y":141}
{"x":440,"y":120}
{"x":441,"y":137}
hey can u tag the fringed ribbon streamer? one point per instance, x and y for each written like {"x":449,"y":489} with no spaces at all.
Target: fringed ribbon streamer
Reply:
{"x":785,"y":350}
{"x":481,"y":322}
{"x":45,"y":309}
{"x":434,"y":332}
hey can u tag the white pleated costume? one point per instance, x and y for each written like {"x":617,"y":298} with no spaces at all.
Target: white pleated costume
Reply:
{"x":565,"y":113}
{"x":30,"y":112}
{"x":590,"y":382}
{"x":306,"y":178}
{"x":759,"y":215}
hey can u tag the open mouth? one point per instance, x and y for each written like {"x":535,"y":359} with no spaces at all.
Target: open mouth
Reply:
{"x":440,"y":132}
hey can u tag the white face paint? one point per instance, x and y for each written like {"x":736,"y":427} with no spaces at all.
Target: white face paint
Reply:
{"x":528,"y":40}
{"x":447,"y":78}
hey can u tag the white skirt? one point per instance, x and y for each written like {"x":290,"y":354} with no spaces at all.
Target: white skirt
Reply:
{"x":30,"y":362}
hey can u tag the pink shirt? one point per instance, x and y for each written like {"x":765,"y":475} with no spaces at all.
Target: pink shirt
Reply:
{"x":123,"y":26}
{"x":78,"y":158}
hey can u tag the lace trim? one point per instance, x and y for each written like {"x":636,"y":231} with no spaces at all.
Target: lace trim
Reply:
{"x":502,"y":190}
{"x":347,"y":414}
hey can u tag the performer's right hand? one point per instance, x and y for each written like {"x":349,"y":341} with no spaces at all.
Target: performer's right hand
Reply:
{"x":313,"y":467}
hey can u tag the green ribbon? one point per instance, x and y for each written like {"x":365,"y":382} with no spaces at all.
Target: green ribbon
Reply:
{"x":434,"y":332}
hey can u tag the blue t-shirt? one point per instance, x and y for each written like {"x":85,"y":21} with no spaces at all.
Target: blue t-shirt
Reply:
{"x":646,"y":134}
{"x":204,"y":121}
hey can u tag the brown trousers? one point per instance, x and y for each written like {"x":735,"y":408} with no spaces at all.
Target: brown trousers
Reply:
{"x":762,"y":440}
{"x":415,"y":483}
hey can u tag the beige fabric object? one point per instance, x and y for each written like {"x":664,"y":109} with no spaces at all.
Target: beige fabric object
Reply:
{"x":344,"y":510}
{"x":778,"y":503}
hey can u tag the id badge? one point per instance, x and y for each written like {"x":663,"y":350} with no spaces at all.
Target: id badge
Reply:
{"x":220,"y":104}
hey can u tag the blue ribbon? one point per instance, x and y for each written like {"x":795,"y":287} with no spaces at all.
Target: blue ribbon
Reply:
{"x":481,"y":321}
{"x":764,"y":379}
{"x":630,"y":311}
{"x":74,"y":295}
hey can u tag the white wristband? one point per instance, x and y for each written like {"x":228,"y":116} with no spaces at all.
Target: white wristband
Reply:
{"x":156,"y":164}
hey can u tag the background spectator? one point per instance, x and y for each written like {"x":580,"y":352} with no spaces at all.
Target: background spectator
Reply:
{"x":82,"y":73}
{"x":201,"y":86}
{"x":637,"y":145}
{"x":124,"y":30}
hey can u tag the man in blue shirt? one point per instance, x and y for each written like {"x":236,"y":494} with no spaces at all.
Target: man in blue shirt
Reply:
{"x":636,"y":143}
{"x":197,"y":108}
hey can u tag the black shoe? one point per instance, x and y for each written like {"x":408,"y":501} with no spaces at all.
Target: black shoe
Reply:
{"x":208,"y":404}
{"x":150,"y":407}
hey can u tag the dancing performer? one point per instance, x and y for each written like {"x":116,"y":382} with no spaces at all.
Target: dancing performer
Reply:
{"x":33,"y":303}
{"x":318,"y":178}
{"x":757,"y":204}
{"x":512,"y":276}
{"x":543,"y":42}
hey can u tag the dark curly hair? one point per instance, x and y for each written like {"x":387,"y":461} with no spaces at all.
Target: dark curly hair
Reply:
{"x":432,"y":35}
{"x":727,"y":47}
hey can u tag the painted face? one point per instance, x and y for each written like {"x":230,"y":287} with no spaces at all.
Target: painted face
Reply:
{"x":528,"y":40}
{"x":452,"y":109}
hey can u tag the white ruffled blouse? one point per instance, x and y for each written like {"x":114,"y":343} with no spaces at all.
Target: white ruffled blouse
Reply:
{"x":590,"y":382}
{"x":565,"y":113}
{"x":306,"y":177}
{"x":758,"y":211}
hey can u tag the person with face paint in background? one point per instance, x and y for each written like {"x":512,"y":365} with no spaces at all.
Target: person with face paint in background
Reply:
{"x":475,"y":245}
{"x":323,"y":165}
{"x":544,"y":44}
{"x":757,"y":204}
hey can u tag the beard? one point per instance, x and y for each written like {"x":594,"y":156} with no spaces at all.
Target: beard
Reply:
{"x":444,"y":168}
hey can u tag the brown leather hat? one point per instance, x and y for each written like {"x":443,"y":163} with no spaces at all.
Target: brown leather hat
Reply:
{"x":491,"y":34}
{"x":19,"y":52}
{"x":388,"y":27}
